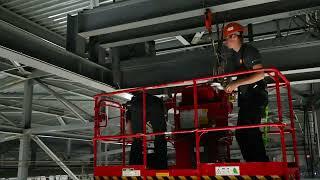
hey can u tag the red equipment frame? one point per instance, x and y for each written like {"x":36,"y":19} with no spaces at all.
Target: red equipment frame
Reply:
{"x":285,"y":169}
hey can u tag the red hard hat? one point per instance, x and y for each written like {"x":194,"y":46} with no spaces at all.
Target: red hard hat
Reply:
{"x":232,"y":28}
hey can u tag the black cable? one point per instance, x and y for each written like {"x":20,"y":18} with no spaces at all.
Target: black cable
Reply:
{"x":304,"y":140}
{"x":311,"y":149}
{"x":308,"y":144}
{"x":203,"y":4}
{"x":304,"y":28}
{"x":308,"y":24}
{"x":289,"y":28}
{"x":314,"y":21}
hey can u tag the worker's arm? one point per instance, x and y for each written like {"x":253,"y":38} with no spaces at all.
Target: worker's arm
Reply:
{"x":248,"y":80}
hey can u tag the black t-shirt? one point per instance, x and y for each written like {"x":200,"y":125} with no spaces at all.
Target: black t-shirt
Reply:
{"x":247,"y":57}
{"x":244,"y":60}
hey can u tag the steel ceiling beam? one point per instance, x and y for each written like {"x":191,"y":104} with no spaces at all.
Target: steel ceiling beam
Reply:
{"x":63,"y":9}
{"x":48,"y":111}
{"x":299,"y":71}
{"x":69,"y":127}
{"x":262,"y":24}
{"x":50,"y":58}
{"x":110,"y":152}
{"x":61,"y":121}
{"x":94,"y":3}
{"x":53,"y":135}
{"x":183,"y":41}
{"x":58,"y":71}
{"x":11,"y":84}
{"x":30,"y":26}
{"x":310,"y":81}
{"x":10,"y":138}
{"x":3,"y":117}
{"x":73,"y":108}
{"x":40,"y":74}
{"x":199,"y":62}
{"x":65,"y":85}
{"x":67,"y":136}
{"x":54,"y":157}
{"x":174,"y":17}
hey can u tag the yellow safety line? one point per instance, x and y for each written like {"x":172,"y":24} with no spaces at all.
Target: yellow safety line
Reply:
{"x":247,"y":178}
{"x":206,"y":178}
{"x":276,"y":177}
{"x":219,"y":177}
{"x":194,"y":177}
{"x":183,"y":177}
{"x":164,"y":174}
{"x":232,"y":177}
{"x":261,"y":177}
{"x":124,"y":178}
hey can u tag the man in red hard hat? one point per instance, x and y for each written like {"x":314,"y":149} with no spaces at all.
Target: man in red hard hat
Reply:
{"x":252,"y":94}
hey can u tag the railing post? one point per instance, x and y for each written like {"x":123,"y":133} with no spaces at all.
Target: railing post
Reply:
{"x":279,"y":104}
{"x":96,"y":127}
{"x":175,"y":115}
{"x":196,"y":124}
{"x":122,"y":127}
{"x":144,"y":97}
{"x":280,"y":114}
{"x":292,"y":125}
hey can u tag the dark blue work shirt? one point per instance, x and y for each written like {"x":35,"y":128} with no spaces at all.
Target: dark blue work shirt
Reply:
{"x":251,"y":94}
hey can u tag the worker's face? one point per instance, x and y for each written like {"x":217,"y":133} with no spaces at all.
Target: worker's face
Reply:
{"x":233,"y":41}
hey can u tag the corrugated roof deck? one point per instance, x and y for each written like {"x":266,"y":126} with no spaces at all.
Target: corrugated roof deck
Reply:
{"x":51,"y":14}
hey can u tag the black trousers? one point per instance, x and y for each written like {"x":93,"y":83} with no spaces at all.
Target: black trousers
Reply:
{"x":250,"y":140}
{"x":252,"y":101}
{"x":155,"y":115}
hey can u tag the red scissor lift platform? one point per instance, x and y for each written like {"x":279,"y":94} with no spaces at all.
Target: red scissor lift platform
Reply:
{"x":222,"y":170}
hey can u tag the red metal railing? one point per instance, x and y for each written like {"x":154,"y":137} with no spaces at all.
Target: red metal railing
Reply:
{"x":280,"y":81}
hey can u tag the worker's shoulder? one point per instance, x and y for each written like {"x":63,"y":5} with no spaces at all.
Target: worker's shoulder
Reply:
{"x":251,"y":51}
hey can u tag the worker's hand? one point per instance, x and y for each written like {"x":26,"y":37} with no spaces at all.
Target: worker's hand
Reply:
{"x":231,"y":87}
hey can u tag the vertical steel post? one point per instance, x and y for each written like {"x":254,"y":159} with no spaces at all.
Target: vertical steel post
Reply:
{"x":24,"y":150}
{"x":24,"y":157}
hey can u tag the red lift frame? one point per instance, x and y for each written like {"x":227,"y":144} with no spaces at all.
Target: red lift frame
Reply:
{"x":283,"y":169}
